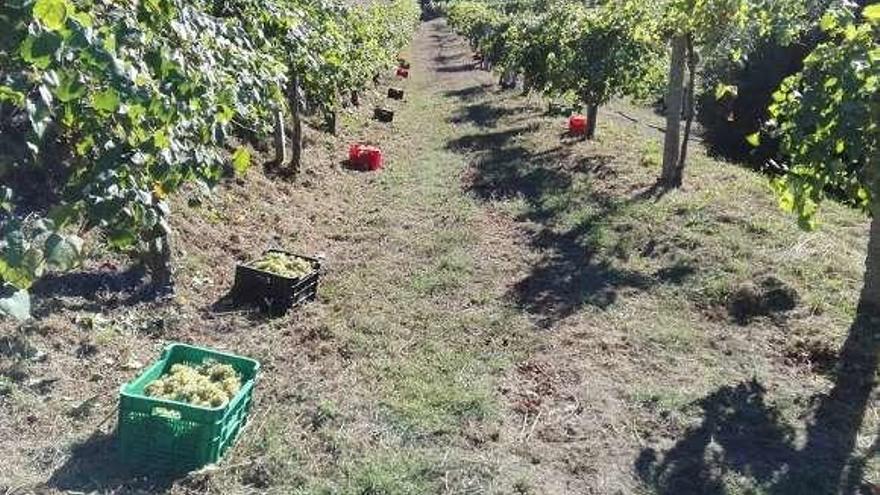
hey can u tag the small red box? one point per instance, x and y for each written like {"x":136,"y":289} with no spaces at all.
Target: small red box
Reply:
{"x":402,"y":73}
{"x":371,"y":157}
{"x":368,"y":157}
{"x":354,"y":153}
{"x":577,"y":125}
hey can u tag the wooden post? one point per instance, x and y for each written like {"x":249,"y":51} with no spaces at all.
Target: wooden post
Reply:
{"x":674,"y":101}
{"x":296,"y":136}
{"x":280,"y":138}
{"x":689,"y":106}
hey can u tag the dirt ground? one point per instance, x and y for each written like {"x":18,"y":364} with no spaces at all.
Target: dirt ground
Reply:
{"x":504,"y":310}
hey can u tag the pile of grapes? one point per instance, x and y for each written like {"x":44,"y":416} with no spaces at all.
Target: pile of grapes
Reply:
{"x":210,"y":384}
{"x":285,"y":265}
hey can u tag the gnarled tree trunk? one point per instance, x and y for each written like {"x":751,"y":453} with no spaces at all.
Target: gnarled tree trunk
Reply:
{"x":157,"y":258}
{"x":592,"y":120}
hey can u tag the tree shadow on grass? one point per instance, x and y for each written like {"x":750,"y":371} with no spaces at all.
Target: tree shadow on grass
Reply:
{"x":453,"y":57}
{"x":94,"y":466}
{"x":480,"y":114}
{"x":488,"y":140}
{"x":573,"y":270}
{"x":827,"y":457}
{"x":469,"y":93}
{"x":571,"y":274}
{"x":741,"y":434}
{"x":465,"y":67}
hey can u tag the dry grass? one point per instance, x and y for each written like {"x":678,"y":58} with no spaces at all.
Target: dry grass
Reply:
{"x":504,"y":312}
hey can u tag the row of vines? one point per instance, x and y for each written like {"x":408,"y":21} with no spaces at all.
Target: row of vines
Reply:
{"x":107,"y":108}
{"x":826,"y":118}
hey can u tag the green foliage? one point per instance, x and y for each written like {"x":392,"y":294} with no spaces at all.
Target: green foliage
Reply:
{"x":827,"y":119}
{"x":613,"y":51}
{"x":594,"y":53}
{"x":28,"y":247}
{"x":138,"y":99}
{"x":731,"y":24}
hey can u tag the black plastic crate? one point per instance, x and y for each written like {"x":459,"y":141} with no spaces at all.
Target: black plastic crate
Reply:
{"x":272,"y":293}
{"x":384,"y":115}
{"x":395,"y":93}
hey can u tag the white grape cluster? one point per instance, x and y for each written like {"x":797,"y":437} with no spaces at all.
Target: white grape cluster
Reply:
{"x":285,"y":265}
{"x":210,"y":384}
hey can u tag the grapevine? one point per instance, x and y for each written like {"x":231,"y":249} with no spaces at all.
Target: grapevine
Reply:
{"x":593,"y":54}
{"x":128,"y":102}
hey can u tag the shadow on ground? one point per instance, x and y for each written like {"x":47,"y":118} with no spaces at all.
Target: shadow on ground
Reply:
{"x":469,"y":93}
{"x":480,"y":114}
{"x":574,"y":271}
{"x":742,"y":434}
{"x":94,"y":466}
{"x":95,"y":290}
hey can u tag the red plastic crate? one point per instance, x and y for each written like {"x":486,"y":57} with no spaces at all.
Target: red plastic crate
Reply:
{"x":577,"y":125}
{"x":354,"y":153}
{"x":368,"y":157}
{"x":372,"y":157}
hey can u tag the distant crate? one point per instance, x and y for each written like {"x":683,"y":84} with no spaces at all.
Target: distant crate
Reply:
{"x":165,"y":438}
{"x":383,"y":115}
{"x":395,"y":93}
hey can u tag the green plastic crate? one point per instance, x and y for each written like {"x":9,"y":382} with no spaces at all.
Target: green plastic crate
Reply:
{"x":166,"y":438}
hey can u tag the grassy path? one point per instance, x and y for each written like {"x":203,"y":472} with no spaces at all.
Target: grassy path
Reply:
{"x":415,"y":324}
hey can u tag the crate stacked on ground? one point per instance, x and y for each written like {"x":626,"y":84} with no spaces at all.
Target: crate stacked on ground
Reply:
{"x":273,"y":291}
{"x":163,"y":437}
{"x":364,"y":157}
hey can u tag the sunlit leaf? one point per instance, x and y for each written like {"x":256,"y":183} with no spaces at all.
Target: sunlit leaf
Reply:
{"x":241,"y":160}
{"x":15,"y":303}
{"x":106,"y":101}
{"x":51,"y":13}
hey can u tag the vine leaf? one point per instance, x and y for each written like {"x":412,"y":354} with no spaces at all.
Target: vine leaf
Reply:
{"x":15,"y":303}
{"x":872,"y":13}
{"x":51,"y":13}
{"x":241,"y":160}
{"x":39,"y":50}
{"x":754,"y":139}
{"x":70,"y":88}
{"x":63,"y":252}
{"x":106,"y":101}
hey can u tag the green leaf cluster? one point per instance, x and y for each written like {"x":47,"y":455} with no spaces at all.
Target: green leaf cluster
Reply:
{"x":593,"y":53}
{"x":827,"y":118}
{"x":140,"y":99}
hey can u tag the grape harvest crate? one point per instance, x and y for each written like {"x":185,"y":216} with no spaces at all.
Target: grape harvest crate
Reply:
{"x":395,"y":93}
{"x":160,"y":437}
{"x":383,"y":115}
{"x":273,"y":293}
